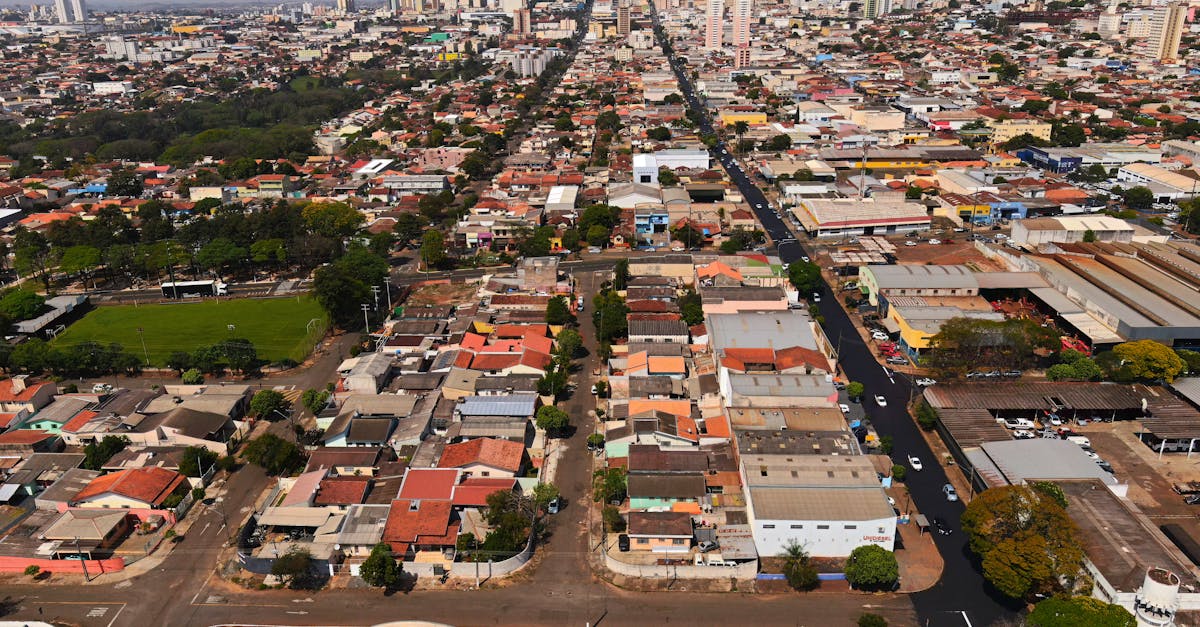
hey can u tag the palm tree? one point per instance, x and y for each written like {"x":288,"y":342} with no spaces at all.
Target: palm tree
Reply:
{"x":797,"y":567}
{"x":740,"y":127}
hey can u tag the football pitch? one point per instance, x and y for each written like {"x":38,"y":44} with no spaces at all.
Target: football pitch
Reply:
{"x":279,"y":328}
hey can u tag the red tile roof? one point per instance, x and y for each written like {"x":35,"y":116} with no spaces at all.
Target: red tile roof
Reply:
{"x":501,"y":454}
{"x":474,"y":491}
{"x":341,"y":491}
{"x":429,"y":483}
{"x":7,"y":395}
{"x":80,"y":419}
{"x":25,"y":436}
{"x":150,"y":485}
{"x":419,"y":522}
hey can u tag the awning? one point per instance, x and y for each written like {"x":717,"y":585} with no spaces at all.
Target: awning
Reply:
{"x":891,"y":325}
{"x":8,"y":490}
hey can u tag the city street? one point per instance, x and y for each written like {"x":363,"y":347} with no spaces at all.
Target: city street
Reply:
{"x":962,"y":596}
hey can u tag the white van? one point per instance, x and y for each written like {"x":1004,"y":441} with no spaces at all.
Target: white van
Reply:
{"x":1019,"y":423}
{"x":1080,"y":440}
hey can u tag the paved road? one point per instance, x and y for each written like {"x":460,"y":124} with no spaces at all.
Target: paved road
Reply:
{"x":961,"y":597}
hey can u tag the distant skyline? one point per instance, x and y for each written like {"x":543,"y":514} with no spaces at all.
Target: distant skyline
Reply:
{"x":128,"y":5}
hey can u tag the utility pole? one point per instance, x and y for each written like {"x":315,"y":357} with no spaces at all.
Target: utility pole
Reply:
{"x":387,"y":286}
{"x":366,"y":321}
{"x":375,"y":291}
{"x":82,"y":562}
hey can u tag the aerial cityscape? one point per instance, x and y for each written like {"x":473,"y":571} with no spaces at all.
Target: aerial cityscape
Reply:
{"x":633,"y":312}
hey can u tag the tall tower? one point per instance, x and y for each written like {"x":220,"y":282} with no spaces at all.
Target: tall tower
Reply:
{"x":60,"y":8}
{"x":874,"y":8}
{"x":623,"y":18}
{"x":79,"y":7}
{"x":713,"y":25}
{"x":393,"y":6}
{"x":522,"y":23}
{"x":345,"y":6}
{"x":741,"y":22}
{"x":1168,"y":30}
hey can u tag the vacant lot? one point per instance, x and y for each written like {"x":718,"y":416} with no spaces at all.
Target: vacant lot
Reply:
{"x":280,"y":328}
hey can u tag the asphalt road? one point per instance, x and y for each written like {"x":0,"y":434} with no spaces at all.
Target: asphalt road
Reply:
{"x":962,"y":596}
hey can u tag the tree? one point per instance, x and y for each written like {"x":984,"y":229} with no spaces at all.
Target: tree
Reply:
{"x":855,"y":390}
{"x":621,"y":274}
{"x":124,"y":182}
{"x":192,"y":376}
{"x":433,"y":249}
{"x":408,"y":228}
{"x":551,"y":419}
{"x":667,"y":177}
{"x":691,"y":307}
{"x":798,"y":568}
{"x":332,"y":219}
{"x":1024,"y":140}
{"x":779,"y":142}
{"x":613,"y":521}
{"x":31,"y":254}
{"x":20,"y":304}
{"x":872,"y":567}
{"x":558,"y":311}
{"x":805,"y":276}
{"x":659,"y":133}
{"x":1089,"y":236}
{"x":568,"y":342}
{"x":609,"y":485}
{"x":381,"y":569}
{"x":1025,"y":540}
{"x":292,"y":568}
{"x":340,"y":294}
{"x":965,"y":343}
{"x":239,"y":353}
{"x":362,"y":264}
{"x":273,"y":454}
{"x":96,"y":454}
{"x":314,"y":400}
{"x":220,"y":254}
{"x":1191,"y":360}
{"x":80,"y":259}
{"x":544,"y":494}
{"x":266,"y":403}
{"x":1068,"y":135}
{"x":1148,"y":360}
{"x":1138,"y":198}
{"x":687,"y":234}
{"x":268,"y":251}
{"x":1069,"y":612}
{"x":609,"y":313}
{"x":196,"y":461}
{"x":872,"y":620}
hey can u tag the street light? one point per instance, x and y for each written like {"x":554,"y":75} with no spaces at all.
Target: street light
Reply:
{"x":366,"y":322}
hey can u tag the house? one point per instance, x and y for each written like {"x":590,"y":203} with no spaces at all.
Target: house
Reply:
{"x":88,"y":531}
{"x":349,"y":462}
{"x":367,"y":373}
{"x":59,"y":412}
{"x":660,"y":532}
{"x":136,"y":488}
{"x":652,"y":490}
{"x":362,"y":529}
{"x":39,"y":471}
{"x":17,"y":394}
{"x":484,"y":457}
{"x":183,"y":426}
{"x":658,"y":331}
{"x":416,"y":526}
{"x":30,"y":441}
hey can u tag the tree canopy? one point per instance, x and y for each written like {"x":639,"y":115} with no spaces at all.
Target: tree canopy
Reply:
{"x":1148,"y":360}
{"x":1075,"y":611}
{"x":381,"y":569}
{"x":872,"y":567}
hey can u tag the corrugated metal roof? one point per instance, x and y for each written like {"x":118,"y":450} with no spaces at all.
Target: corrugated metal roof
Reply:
{"x":514,"y":405}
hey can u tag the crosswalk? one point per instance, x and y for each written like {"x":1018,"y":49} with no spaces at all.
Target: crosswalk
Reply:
{"x":290,"y":393}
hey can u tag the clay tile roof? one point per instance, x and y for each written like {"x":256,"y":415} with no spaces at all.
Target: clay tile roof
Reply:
{"x":429,"y":484}
{"x":418,"y":522}
{"x":474,"y":491}
{"x":25,"y":436}
{"x":7,"y":395}
{"x":341,"y":491}
{"x":150,"y":484}
{"x":80,"y":419}
{"x":501,"y":454}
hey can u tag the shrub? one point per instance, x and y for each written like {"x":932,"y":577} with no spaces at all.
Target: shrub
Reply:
{"x":32,"y":570}
{"x":899,"y":472}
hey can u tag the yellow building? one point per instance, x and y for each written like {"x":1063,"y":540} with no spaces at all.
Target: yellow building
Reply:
{"x":449,"y":56}
{"x":1004,"y":130}
{"x":753,"y":118}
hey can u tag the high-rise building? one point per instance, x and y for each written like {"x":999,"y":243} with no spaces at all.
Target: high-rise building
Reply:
{"x":345,"y":6}
{"x":741,"y":22}
{"x":522,"y":22}
{"x":713,"y":24}
{"x":79,"y":7}
{"x":393,"y":6}
{"x":623,"y":18}
{"x":1109,"y":25}
{"x":1168,"y":30}
{"x":60,"y":7}
{"x":874,"y":8}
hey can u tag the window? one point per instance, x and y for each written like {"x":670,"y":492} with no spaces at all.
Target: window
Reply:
{"x":850,"y":527}
{"x":797,"y":526}
{"x":768,"y":526}
{"x":485,"y":474}
{"x":822,"y":526}
{"x":677,"y":541}
{"x":643,"y":541}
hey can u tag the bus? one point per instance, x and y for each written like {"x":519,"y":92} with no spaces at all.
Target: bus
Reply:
{"x":194,"y":289}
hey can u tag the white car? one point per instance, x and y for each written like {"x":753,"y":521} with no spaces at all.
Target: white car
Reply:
{"x":935,"y":241}
{"x":910,"y":243}
{"x":925,"y":382}
{"x":879,"y":335}
{"x":880,"y":400}
{"x":915,"y":462}
{"x":844,"y":407}
{"x":805,"y":259}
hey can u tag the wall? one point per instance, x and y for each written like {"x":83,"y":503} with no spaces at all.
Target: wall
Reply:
{"x":745,"y":570}
{"x":836,"y":541}
{"x":10,"y":564}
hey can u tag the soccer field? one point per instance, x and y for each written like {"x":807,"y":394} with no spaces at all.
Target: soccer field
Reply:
{"x":279,"y":328}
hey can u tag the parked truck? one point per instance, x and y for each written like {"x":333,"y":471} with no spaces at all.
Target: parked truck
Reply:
{"x":194,"y":289}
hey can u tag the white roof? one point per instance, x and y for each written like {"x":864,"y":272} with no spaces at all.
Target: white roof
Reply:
{"x":374,"y":167}
{"x":644,"y":161}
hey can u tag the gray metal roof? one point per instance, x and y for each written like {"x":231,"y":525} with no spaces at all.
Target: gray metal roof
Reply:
{"x":767,"y":329}
{"x":521,"y":405}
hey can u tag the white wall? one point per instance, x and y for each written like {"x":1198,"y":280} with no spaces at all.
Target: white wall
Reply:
{"x":833,"y":541}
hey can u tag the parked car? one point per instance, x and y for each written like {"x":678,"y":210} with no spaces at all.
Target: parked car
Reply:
{"x":951,"y":494}
{"x":1023,"y":434}
{"x":935,"y":241}
{"x":925,"y":382}
{"x":553,"y":507}
{"x":1192,"y":499}
{"x":897,"y":360}
{"x":915,"y":462}
{"x":623,"y":542}
{"x":941,"y":525}
{"x":844,"y":407}
{"x":880,"y":400}
{"x":708,"y":545}
{"x":879,"y":335}
{"x":1011,"y":373}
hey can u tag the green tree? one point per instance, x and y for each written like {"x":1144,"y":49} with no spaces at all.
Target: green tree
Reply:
{"x":21,"y":304}
{"x":1024,"y":140}
{"x":1138,"y":198}
{"x":872,"y":567}
{"x":192,"y":376}
{"x":292,"y":568}
{"x":544,"y":494}
{"x":332,"y":219}
{"x":558,"y":311}
{"x":798,"y":568}
{"x":805,"y":277}
{"x":364,"y":265}
{"x":381,"y":569}
{"x":1148,"y":360}
{"x":1074,"y":611}
{"x":687,"y":234}
{"x":613,"y":521}
{"x":609,"y":313}
{"x":81,"y":260}
{"x":266,"y":403}
{"x":620,"y":274}
{"x":340,"y":294}
{"x":196,"y":461}
{"x":1068,"y":135}
{"x":855,"y":390}
{"x":609,"y":485}
{"x":274,"y":454}
{"x":124,"y":182}
{"x":221,"y":254}
{"x":314,"y":400}
{"x":659,"y":133}
{"x":31,"y":255}
{"x":667,"y":177}
{"x":1191,"y":360}
{"x":268,"y":251}
{"x":1025,"y":540}
{"x":691,"y":307}
{"x":1089,"y":236}
{"x":872,"y":620}
{"x":433,"y":249}
{"x":551,"y":419}
{"x":568,"y":342}
{"x":778,"y":143}
{"x":96,"y":454}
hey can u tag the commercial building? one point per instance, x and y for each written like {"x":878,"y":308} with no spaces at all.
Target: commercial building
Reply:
{"x":1167,"y":185}
{"x":1062,"y":229}
{"x":868,"y":216}
{"x":1168,"y":23}
{"x":713,"y":24}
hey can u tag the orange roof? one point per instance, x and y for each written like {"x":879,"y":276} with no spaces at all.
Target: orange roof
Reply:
{"x":341,"y":491}
{"x":25,"y":436}
{"x":670,"y":365}
{"x":715,"y":268}
{"x":150,"y":485}
{"x":718,"y":426}
{"x":80,"y":419}
{"x":7,"y":395}
{"x":473,"y":341}
{"x":539,"y":343}
{"x":793,"y":356}
{"x":496,"y":361}
{"x":419,"y":522}
{"x":501,"y":454}
{"x":474,"y":491}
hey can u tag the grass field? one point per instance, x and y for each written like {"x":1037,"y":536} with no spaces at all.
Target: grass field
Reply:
{"x":279,"y":328}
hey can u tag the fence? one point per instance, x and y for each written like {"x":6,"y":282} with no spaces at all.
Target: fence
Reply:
{"x":94,"y":567}
{"x":744,"y":570}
